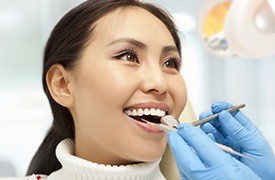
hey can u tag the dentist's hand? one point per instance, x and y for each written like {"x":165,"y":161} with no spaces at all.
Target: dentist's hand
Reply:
{"x":238,"y":132}
{"x":198,"y":157}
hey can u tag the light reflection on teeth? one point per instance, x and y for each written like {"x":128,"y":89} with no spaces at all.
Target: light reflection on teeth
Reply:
{"x":146,"y":111}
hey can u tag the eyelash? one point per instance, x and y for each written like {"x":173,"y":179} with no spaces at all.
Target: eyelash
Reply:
{"x":176,"y":61}
{"x":125,"y":52}
{"x":130,"y":51}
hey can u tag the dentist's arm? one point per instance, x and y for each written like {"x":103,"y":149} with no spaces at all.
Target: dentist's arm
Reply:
{"x":237,"y":131}
{"x":198,"y":157}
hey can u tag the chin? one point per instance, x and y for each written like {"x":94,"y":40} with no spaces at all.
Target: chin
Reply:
{"x":151,"y":155}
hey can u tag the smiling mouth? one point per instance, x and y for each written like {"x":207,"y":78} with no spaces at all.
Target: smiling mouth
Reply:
{"x":152,"y":114}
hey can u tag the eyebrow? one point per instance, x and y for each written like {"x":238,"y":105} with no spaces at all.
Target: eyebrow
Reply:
{"x":169,"y":48}
{"x":143,"y":46}
{"x":131,"y":41}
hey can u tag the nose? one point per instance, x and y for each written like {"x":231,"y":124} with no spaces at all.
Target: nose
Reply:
{"x":154,"y":81}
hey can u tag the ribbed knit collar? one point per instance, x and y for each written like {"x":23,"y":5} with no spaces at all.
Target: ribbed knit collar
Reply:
{"x":77,"y":168}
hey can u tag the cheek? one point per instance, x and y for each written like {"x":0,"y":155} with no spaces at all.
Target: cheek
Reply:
{"x":103,"y":90}
{"x":100,"y":95}
{"x":179,"y":95}
{"x":114,"y":87}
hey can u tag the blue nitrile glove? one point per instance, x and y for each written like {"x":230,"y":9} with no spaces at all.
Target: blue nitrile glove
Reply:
{"x":238,"y":132}
{"x":198,"y":157}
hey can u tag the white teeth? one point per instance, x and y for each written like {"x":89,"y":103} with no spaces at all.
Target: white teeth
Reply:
{"x":146,"y":111}
{"x":140,"y":112}
{"x":160,"y":112}
{"x":128,"y":112}
{"x":134,"y":112}
{"x":153,"y":112}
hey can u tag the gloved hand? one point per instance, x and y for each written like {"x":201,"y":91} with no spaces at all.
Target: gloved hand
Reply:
{"x":198,"y":157}
{"x":238,"y":132}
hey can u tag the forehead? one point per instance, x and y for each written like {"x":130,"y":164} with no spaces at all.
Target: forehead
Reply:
{"x":132,"y":22}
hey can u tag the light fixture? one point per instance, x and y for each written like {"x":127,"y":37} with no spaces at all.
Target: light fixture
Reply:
{"x":243,"y":28}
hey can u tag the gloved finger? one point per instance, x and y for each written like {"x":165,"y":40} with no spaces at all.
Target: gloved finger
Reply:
{"x":205,"y":114}
{"x":211,"y":136}
{"x":219,"y":106}
{"x":215,"y":125}
{"x":234,"y":145}
{"x":184,"y":156}
{"x":238,"y":115}
{"x":215,"y":121}
{"x":215,"y":135}
{"x":209,"y":128}
{"x":237,"y":132}
{"x":205,"y":148}
{"x":243,"y":120}
{"x":219,"y":137}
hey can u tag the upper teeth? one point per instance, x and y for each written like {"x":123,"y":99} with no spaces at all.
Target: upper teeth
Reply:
{"x":141,"y":112}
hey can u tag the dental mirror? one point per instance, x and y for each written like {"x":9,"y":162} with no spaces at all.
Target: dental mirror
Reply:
{"x":170,"y":121}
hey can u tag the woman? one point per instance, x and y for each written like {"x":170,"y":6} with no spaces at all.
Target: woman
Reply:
{"x":107,"y":63}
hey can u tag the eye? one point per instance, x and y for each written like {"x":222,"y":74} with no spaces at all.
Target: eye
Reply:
{"x":127,"y":55}
{"x":172,"y":63}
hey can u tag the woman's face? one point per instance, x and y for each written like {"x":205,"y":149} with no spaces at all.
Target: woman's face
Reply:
{"x":129,"y":65}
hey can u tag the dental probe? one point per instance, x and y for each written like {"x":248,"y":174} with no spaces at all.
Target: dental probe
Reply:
{"x":221,"y":146}
{"x":232,"y":151}
{"x":209,"y":118}
{"x":172,"y":124}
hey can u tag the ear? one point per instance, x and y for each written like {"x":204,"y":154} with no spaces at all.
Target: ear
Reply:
{"x":60,"y":85}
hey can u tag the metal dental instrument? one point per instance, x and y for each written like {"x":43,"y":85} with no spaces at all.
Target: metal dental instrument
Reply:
{"x":169,"y":123}
{"x":209,"y":118}
{"x":172,"y":123}
{"x":232,"y":151}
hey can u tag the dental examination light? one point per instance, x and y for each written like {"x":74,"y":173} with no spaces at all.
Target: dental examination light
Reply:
{"x":238,"y":28}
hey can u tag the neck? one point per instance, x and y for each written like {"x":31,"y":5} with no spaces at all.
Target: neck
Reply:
{"x":77,"y":168}
{"x":99,"y":155}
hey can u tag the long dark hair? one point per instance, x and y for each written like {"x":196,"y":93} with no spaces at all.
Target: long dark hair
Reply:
{"x":67,"y":41}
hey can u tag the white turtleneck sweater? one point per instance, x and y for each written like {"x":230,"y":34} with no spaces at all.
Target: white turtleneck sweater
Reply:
{"x":75,"y":168}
